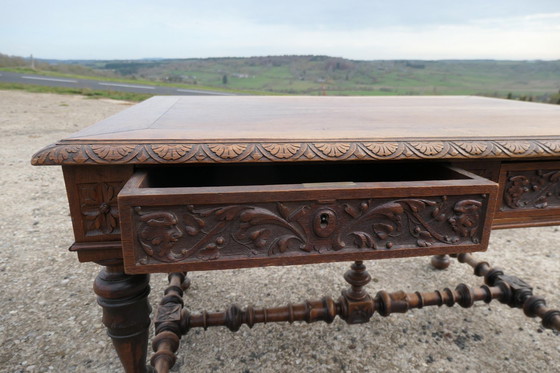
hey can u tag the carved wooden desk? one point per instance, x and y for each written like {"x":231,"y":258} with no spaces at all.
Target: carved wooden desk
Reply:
{"x":179,"y":184}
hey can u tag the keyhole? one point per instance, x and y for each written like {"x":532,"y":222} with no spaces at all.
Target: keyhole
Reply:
{"x":324,"y":220}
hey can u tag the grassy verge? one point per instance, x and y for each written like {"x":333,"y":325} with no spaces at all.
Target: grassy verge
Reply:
{"x":126,"y":96}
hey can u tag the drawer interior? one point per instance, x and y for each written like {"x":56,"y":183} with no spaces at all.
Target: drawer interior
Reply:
{"x":306,"y":173}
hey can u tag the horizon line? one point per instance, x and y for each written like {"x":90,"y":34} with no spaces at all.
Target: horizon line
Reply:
{"x":288,"y":55}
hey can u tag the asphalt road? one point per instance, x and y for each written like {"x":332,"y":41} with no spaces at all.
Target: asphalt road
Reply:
{"x":10,"y":77}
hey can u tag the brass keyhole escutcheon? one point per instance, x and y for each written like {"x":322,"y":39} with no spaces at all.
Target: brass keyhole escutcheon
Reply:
{"x":324,"y":223}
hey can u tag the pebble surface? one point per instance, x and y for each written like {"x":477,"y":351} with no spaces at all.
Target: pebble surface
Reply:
{"x":50,"y":321}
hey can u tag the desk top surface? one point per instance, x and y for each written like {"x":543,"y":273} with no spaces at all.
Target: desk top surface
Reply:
{"x":199,"y":129}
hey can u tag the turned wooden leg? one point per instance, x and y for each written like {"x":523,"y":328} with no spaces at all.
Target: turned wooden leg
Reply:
{"x":126,"y":314}
{"x":440,"y":261}
{"x":168,"y":323}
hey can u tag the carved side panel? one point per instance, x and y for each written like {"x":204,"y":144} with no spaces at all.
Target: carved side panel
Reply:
{"x":99,"y":209}
{"x":92,"y":196}
{"x":531,"y":189}
{"x":205,"y":233}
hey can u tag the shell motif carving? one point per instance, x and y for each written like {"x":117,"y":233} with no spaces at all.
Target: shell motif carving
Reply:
{"x":553,"y":146}
{"x":111,"y":152}
{"x":171,"y":152}
{"x":516,"y":147}
{"x":282,"y":151}
{"x":333,"y":149}
{"x":474,"y":148}
{"x":383,"y":149}
{"x":228,"y":151}
{"x":429,"y":148}
{"x":249,"y":152}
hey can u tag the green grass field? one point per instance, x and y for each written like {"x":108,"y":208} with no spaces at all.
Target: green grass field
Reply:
{"x":323,"y":75}
{"x":332,"y":76}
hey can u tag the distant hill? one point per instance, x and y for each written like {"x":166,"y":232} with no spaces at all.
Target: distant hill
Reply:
{"x":74,"y":67}
{"x":324,"y":75}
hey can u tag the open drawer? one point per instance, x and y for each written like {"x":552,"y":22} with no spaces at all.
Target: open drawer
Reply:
{"x":202,"y":217}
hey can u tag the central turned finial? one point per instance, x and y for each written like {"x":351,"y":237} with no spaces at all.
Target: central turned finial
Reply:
{"x":356,"y":304}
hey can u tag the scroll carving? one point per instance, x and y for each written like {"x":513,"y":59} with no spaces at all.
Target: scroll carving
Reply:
{"x":532,"y":189}
{"x":204,"y":233}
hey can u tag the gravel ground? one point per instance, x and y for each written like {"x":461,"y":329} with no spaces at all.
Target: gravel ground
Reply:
{"x":49,"y":319}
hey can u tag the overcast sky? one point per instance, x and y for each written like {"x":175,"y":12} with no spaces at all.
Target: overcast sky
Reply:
{"x":365,"y":30}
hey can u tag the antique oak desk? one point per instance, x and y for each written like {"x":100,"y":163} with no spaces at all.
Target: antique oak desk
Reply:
{"x":179,"y":184}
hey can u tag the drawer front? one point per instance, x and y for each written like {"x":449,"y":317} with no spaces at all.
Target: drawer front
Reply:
{"x":530,"y":194}
{"x":175,"y":229}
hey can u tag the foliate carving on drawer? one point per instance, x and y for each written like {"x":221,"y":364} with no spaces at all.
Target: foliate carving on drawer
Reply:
{"x":532,"y":189}
{"x":209,"y":232}
{"x":98,"y":204}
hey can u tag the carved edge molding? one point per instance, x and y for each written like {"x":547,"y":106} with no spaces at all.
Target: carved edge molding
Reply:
{"x":59,"y":154}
